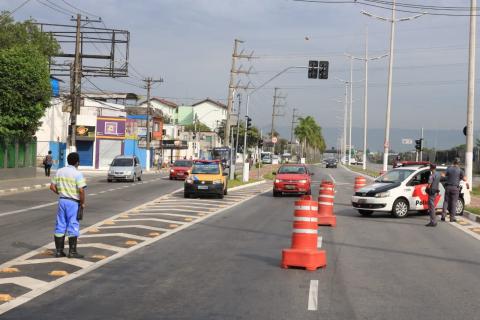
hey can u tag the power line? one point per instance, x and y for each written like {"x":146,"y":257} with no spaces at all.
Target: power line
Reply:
{"x":53,"y":8}
{"x":9,"y":13}
{"x":78,"y":9}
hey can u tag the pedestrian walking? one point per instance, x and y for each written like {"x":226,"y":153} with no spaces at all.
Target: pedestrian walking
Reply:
{"x":47,"y":163}
{"x":452,"y":188}
{"x":70,"y":185}
{"x":432,"y":190}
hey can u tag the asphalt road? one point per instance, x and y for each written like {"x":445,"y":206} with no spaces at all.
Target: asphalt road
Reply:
{"x":27,"y":219}
{"x":227,"y":267}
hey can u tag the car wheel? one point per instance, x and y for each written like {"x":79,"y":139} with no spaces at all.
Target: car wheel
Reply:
{"x":134,"y":178}
{"x":309,"y":192}
{"x":460,"y":207}
{"x":171,"y":178}
{"x":140,"y":177}
{"x":400,"y":208}
{"x":365,"y":212}
{"x":186,"y":195}
{"x":225,"y":192}
{"x":109,"y":180}
{"x":220,"y":196}
{"x":276,"y":193}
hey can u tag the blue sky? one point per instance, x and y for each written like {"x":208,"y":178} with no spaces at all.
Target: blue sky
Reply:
{"x":189,"y":44}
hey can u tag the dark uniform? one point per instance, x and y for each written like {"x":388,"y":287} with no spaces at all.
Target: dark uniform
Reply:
{"x":433,"y":183}
{"x":452,"y":190}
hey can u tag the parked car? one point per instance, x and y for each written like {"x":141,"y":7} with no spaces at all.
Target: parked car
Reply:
{"x":402,"y":190}
{"x":207,"y":178}
{"x":125,"y":168}
{"x":292,"y":178}
{"x":180,"y":169}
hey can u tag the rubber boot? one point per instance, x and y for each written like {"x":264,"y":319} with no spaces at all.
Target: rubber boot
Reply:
{"x":59,"y":246}
{"x":72,"y":250}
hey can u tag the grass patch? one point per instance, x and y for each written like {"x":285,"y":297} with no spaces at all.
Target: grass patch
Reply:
{"x":238,"y":182}
{"x":268,"y":176}
{"x":368,"y":172}
{"x":474,"y":210}
{"x":475,"y":191}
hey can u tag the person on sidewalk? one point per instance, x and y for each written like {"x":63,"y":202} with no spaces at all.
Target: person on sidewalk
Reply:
{"x":432,"y":191}
{"x":47,"y":163}
{"x":70,"y":185}
{"x":452,"y":188}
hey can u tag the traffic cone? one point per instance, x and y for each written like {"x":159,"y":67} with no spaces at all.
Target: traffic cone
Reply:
{"x":360,"y":182}
{"x":326,"y":198}
{"x":304,"y":251}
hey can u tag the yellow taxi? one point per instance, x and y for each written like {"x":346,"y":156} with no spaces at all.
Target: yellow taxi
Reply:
{"x":206,"y":178}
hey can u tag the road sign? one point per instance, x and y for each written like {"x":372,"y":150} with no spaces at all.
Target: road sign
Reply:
{"x":274,"y":139}
{"x":407,"y":141}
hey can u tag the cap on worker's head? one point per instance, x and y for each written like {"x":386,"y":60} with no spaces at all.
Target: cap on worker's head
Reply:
{"x":433,"y":166}
{"x":456,"y":160}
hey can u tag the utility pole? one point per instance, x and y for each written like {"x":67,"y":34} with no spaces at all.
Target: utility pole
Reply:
{"x":294,"y":118}
{"x":350,"y":118}
{"x":366,"y":59}
{"x":232,"y":86}
{"x":76,"y":81}
{"x":148,"y":81}
{"x":276,"y":105}
{"x":392,"y":20}
{"x":471,"y":92}
{"x":421,"y":150}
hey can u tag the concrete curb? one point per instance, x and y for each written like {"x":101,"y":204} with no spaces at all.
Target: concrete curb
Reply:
{"x":471,"y":216}
{"x":243,"y":186}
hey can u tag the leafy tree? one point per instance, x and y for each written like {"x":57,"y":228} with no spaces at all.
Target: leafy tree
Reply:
{"x":24,"y":90}
{"x":24,"y":76}
{"x":310,"y":135}
{"x":201,"y":127}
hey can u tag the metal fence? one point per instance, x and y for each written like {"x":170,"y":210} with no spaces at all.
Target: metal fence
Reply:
{"x":17,"y":158}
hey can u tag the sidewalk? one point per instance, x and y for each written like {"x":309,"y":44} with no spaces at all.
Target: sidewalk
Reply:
{"x":41,"y":181}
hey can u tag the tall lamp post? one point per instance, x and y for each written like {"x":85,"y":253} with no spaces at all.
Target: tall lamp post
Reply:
{"x":365,"y":59}
{"x":392,"y":20}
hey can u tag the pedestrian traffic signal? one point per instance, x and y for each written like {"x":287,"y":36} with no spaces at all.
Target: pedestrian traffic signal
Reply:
{"x":323,"y":70}
{"x":419,"y":144}
{"x":312,"y":69}
{"x":249,"y":123}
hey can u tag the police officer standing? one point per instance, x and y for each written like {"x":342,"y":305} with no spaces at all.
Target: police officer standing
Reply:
{"x":452,"y":188}
{"x":432,"y":191}
{"x":69,"y":184}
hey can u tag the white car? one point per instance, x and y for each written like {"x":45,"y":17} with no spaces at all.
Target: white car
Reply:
{"x":402,"y":190}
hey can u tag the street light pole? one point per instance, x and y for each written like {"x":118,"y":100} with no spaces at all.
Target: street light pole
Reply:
{"x":350,"y":117}
{"x":471,"y":91}
{"x":392,"y":20}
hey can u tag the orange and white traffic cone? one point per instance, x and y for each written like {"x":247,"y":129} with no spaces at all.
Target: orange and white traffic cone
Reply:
{"x":360,"y":182}
{"x":326,"y":197}
{"x":304,"y":251}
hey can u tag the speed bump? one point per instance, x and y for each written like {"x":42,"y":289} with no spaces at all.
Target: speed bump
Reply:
{"x":109,"y":222}
{"x":188,"y":219}
{"x":124,"y":215}
{"x":173,"y":225}
{"x":201,"y":214}
{"x":58,"y":273}
{"x":9,"y":270}
{"x":131,"y":242}
{"x":99,"y":257}
{"x":154,"y":234}
{"x":5,"y":297}
{"x":93,"y":230}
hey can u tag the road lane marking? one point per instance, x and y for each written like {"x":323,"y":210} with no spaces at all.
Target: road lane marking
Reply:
{"x":26,"y":282}
{"x":74,"y":262}
{"x":28,"y":209}
{"x":92,"y":194}
{"x":149,"y":219}
{"x":313,"y":296}
{"x":332,"y":178}
{"x":319,"y":242}
{"x":137,"y":226}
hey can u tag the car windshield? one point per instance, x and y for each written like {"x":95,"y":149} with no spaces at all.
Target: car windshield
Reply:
{"x":182,"y":163}
{"x":122,"y":162}
{"x":395,"y":176}
{"x":206,"y":168}
{"x":292,"y":169}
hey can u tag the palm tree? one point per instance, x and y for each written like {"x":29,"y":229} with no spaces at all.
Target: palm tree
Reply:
{"x":310,"y":135}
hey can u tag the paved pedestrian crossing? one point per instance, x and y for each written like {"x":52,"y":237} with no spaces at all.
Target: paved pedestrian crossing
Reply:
{"x":37,"y":272}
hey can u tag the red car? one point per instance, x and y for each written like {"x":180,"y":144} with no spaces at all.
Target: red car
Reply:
{"x":180,"y":169}
{"x":292,"y":178}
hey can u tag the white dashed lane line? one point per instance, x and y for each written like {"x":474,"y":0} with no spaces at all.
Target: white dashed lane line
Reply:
{"x":313,"y":295}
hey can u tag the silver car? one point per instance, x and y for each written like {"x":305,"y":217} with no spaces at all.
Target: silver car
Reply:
{"x":126,"y":168}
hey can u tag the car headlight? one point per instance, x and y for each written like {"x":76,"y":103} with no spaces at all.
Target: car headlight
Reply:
{"x":172,"y":171}
{"x":302,"y":181}
{"x":217,"y":182}
{"x":278,"y":180}
{"x":189,"y":181}
{"x":383,"y":194}
{"x":128,"y":172}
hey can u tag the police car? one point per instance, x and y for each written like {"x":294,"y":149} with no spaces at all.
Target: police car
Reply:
{"x":402,"y":190}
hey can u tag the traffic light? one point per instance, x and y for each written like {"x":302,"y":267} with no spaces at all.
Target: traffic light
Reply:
{"x":249,"y":123}
{"x":323,"y":70}
{"x":260,"y":143}
{"x":419,"y":144}
{"x":312,"y":69}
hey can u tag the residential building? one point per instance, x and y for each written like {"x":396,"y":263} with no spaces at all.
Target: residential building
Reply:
{"x":168,"y":108}
{"x":210,"y":112}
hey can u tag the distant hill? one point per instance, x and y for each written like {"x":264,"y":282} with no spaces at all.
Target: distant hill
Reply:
{"x":439,"y":139}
